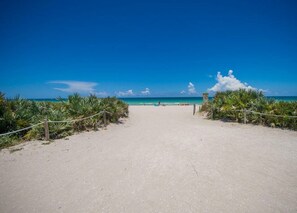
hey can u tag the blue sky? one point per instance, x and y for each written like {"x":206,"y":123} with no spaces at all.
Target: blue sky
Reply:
{"x":147,"y":48}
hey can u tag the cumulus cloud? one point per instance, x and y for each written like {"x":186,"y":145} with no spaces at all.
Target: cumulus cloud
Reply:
{"x":183,"y":92}
{"x":146,"y":91}
{"x":76,"y":86}
{"x":191,"y":88}
{"x":229,"y":82}
{"x":125,"y":93}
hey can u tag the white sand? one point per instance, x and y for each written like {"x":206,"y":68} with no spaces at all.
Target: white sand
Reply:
{"x":162,"y":159}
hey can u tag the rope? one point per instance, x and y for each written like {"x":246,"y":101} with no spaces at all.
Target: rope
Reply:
{"x":79,"y":119}
{"x":266,"y":114}
{"x":70,"y":121}
{"x":20,"y":130}
{"x":279,"y":116}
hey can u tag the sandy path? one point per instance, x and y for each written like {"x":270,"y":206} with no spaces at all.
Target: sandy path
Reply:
{"x":162,"y":159}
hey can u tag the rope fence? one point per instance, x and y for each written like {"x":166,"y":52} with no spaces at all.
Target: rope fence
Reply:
{"x":246,"y":112}
{"x":20,"y":130}
{"x":79,"y":119}
{"x":265,"y":114}
{"x":273,"y":115}
{"x":46,"y":122}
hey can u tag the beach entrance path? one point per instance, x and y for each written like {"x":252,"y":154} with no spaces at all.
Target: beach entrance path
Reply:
{"x":161,"y":159}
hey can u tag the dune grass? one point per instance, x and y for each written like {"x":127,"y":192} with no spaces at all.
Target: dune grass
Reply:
{"x":20,"y":113}
{"x":227,"y":105}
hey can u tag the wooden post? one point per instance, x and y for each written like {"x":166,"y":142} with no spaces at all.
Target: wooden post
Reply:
{"x":212,"y":113}
{"x":205,"y":97}
{"x":46,"y":130}
{"x":194,"y":109}
{"x":244,"y":116}
{"x":104,"y":119}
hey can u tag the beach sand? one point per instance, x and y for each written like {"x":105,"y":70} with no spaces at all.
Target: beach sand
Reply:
{"x":160,"y":159}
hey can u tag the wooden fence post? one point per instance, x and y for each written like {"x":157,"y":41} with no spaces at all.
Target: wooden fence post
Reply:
{"x":244,"y":116}
{"x":205,"y":97}
{"x":194,"y":109}
{"x":104,"y":119}
{"x":46,"y":130}
{"x":212,"y":116}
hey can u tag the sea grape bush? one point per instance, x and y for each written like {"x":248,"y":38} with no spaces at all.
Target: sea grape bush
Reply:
{"x":227,"y":105}
{"x":19,"y":113}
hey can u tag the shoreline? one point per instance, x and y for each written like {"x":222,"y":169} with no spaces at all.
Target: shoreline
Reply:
{"x":175,"y":100}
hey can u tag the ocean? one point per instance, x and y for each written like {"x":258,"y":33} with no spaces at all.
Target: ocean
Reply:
{"x":173,"y":100}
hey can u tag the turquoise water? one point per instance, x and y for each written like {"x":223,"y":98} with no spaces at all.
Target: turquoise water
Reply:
{"x":173,"y":101}
{"x":150,"y":101}
{"x":284,"y":98}
{"x":166,"y":101}
{"x":187,"y":100}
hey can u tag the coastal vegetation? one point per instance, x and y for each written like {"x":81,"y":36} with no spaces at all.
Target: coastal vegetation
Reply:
{"x":252,"y":107}
{"x":20,"y":113}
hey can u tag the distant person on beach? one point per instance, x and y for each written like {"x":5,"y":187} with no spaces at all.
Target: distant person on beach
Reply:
{"x":159,"y":103}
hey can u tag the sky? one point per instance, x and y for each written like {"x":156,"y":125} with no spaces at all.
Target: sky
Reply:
{"x":51,"y":49}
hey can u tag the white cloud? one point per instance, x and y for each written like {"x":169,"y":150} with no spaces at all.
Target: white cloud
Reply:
{"x":229,"y":82}
{"x":191,"y":88}
{"x":146,"y":91}
{"x":183,"y":92}
{"x":79,"y":87}
{"x":125,"y":93}
{"x":101,"y":94}
{"x":264,"y":90}
{"x":76,"y":86}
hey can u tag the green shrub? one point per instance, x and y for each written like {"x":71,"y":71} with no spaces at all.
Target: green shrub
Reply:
{"x":20,"y":113}
{"x":229,"y":106}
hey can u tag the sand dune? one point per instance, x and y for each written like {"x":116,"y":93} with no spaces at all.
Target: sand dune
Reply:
{"x":161,"y":159}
